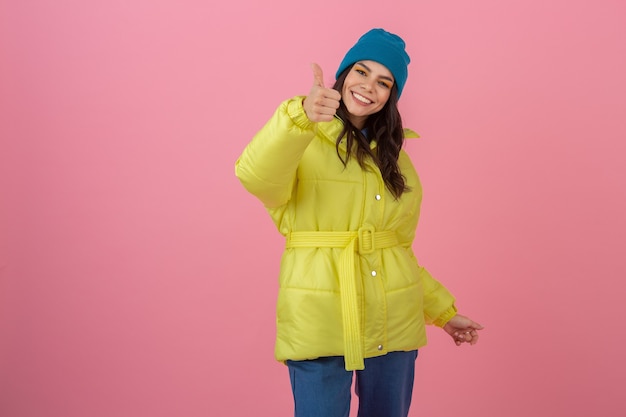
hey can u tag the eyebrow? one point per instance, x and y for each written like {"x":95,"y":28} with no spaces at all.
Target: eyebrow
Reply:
{"x":384,"y":77}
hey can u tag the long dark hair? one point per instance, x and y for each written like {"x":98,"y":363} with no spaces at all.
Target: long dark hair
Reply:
{"x":386,"y":127}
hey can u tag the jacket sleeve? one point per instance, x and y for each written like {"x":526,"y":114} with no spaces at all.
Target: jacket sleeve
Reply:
{"x":438,"y":302}
{"x":267,"y":167}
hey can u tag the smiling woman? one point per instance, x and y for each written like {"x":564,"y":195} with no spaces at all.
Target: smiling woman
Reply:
{"x":366,"y":89}
{"x":330,"y":169}
{"x":138,"y":277}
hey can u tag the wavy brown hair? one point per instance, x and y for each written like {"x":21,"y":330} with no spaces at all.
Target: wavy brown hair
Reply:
{"x":386,"y":127}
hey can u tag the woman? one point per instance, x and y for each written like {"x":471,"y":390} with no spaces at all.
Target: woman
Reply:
{"x":330,"y":169}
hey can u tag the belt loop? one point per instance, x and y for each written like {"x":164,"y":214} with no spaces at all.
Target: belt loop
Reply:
{"x":366,"y":235}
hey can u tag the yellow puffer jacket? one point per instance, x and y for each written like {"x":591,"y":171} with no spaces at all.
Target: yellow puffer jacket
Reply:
{"x":350,"y":284}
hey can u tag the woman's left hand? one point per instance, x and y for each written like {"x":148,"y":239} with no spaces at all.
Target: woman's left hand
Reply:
{"x":463,"y":330}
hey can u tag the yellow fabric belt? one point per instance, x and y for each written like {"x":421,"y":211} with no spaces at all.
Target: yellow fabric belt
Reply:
{"x":364,"y":241}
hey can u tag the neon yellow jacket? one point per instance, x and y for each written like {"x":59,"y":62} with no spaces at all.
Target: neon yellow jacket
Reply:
{"x":350,"y":284}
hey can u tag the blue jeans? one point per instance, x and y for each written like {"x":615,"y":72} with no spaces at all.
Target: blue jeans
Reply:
{"x":321,"y":387}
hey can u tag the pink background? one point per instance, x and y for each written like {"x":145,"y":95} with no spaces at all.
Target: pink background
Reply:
{"x":137,"y":277}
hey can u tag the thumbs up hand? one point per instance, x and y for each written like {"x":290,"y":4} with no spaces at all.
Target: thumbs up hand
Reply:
{"x":322,"y":103}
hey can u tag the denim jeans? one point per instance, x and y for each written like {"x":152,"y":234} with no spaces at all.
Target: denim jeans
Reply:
{"x":321,"y":387}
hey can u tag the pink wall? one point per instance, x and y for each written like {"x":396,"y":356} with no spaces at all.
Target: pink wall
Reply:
{"x":137,"y":278}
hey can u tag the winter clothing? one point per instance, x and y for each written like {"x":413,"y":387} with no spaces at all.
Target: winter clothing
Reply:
{"x":383,"y":47}
{"x":349,"y":282}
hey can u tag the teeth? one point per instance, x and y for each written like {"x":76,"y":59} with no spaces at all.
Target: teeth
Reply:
{"x":361,"y":98}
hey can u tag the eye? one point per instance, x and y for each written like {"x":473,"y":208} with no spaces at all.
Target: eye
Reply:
{"x":384,"y":84}
{"x":360,"y":71}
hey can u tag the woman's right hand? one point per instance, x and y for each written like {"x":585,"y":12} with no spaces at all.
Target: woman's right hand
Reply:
{"x":322,"y":103}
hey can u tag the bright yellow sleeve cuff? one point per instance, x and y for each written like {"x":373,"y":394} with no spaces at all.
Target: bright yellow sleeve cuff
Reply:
{"x":296,"y":112}
{"x":445,"y":317}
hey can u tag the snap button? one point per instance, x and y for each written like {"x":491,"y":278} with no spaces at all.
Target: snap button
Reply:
{"x":378,"y":197}
{"x":373,"y":273}
{"x":380,"y":347}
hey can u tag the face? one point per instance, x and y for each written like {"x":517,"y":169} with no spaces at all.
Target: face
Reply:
{"x":366,"y":89}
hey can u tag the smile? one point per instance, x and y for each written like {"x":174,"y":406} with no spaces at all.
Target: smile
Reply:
{"x":360,"y":98}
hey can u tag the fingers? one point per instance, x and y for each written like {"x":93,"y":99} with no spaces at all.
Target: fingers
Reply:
{"x":465,"y":336}
{"x":459,"y":337}
{"x":474,"y":335}
{"x":476,"y":326}
{"x":318,"y":75}
{"x":322,"y":103}
{"x":470,"y":337}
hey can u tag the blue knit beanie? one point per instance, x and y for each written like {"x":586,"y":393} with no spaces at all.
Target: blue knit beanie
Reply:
{"x":383,"y":47}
